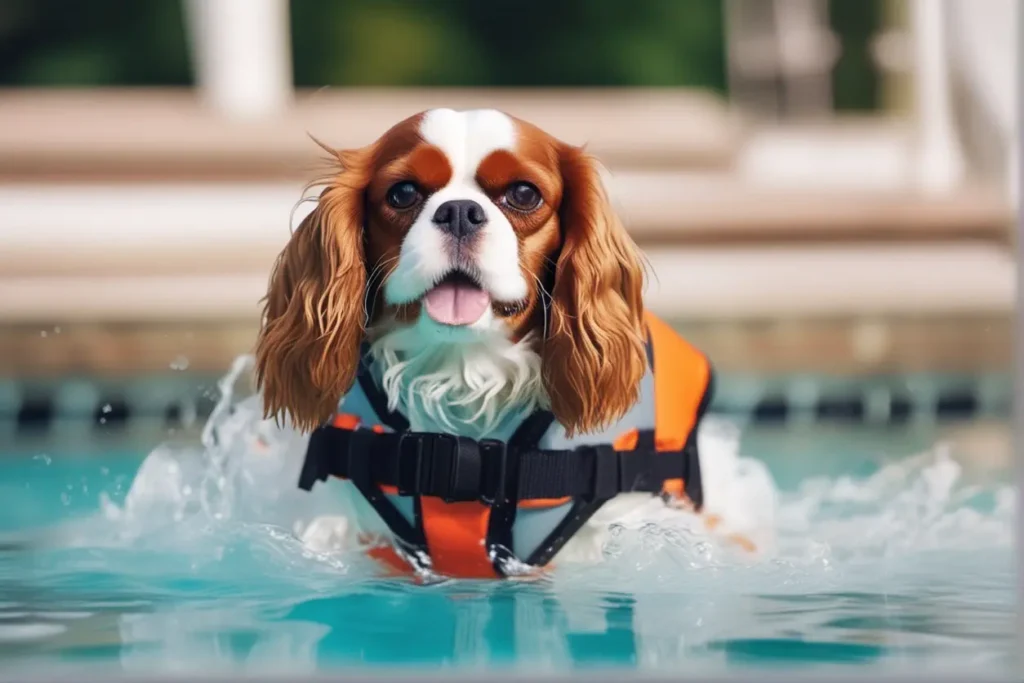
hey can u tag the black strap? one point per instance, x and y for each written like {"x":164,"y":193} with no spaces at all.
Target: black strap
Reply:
{"x":693,"y":482}
{"x":499,"y":475}
{"x":462,"y":469}
{"x":500,"y":541}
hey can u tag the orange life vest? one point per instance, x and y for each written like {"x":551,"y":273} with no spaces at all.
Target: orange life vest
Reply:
{"x":486,"y":509}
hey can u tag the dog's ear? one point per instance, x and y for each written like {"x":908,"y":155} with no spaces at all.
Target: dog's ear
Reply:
{"x":308,"y":348}
{"x":595,"y":353}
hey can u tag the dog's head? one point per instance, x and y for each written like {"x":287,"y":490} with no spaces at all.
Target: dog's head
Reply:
{"x":457,"y":229}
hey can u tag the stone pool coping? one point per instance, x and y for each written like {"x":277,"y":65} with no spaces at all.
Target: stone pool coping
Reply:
{"x":840,"y":345}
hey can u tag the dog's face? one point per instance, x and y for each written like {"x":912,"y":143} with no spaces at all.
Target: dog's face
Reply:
{"x":466,"y":222}
{"x":456,"y":228}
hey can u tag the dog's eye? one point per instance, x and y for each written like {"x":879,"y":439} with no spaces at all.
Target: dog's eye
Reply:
{"x":403,"y":195}
{"x":522,"y":196}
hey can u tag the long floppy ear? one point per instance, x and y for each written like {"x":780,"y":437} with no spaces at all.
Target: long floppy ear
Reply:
{"x":595,"y":353}
{"x":307,"y":352}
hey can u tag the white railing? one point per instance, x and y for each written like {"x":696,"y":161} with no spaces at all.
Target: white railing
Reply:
{"x":241,"y":51}
{"x":982,"y":52}
{"x":960,"y":56}
{"x":939,"y":158}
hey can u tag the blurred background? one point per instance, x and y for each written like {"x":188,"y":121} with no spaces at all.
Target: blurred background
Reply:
{"x":826,"y":190}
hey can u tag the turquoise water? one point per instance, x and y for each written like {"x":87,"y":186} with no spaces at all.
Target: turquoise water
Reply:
{"x":894,"y":551}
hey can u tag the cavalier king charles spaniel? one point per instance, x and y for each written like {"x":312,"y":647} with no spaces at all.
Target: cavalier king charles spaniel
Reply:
{"x":478,"y":262}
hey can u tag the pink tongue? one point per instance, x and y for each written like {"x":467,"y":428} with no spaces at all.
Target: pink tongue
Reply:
{"x":456,"y":304}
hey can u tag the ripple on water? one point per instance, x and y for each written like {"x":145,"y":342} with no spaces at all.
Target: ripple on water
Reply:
{"x":14,"y":633}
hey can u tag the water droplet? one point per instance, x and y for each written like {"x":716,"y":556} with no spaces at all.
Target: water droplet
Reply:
{"x":56,"y":329}
{"x":179,"y":363}
{"x":107,"y":408}
{"x":103,"y":420}
{"x":43,"y":458}
{"x":42,"y":333}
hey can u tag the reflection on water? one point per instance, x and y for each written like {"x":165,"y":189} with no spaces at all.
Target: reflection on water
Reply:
{"x":199,"y":565}
{"x":180,"y":625}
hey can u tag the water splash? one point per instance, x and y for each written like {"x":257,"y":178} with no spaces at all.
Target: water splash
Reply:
{"x":238,"y":486}
{"x":221,"y":537}
{"x":244,"y":472}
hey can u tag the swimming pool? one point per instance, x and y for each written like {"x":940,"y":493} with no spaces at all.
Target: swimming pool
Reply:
{"x":894,"y":552}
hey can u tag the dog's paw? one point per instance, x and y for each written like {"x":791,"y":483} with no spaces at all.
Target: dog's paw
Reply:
{"x":327,"y":534}
{"x":713,"y":524}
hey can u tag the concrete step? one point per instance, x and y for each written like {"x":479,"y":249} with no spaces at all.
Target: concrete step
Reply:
{"x":851,"y":346}
{"x":134,"y":134}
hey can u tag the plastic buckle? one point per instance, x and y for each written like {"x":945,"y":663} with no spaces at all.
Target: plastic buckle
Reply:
{"x":409,"y":464}
{"x":493,"y":461}
{"x":454,"y":468}
{"x":607,"y":472}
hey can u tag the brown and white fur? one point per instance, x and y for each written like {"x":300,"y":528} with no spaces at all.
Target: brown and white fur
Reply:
{"x":562,"y":282}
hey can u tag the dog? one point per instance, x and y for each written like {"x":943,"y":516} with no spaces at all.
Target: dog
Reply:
{"x":473,"y":268}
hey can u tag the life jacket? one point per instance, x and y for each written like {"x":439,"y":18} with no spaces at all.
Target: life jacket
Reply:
{"x":463,"y":508}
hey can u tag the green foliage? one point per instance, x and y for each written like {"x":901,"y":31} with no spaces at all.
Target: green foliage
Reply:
{"x":855,"y":81}
{"x":417,"y":43}
{"x":95,"y":43}
{"x":509,"y":42}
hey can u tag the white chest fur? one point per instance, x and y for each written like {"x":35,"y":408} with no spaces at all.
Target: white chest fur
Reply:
{"x":481,"y":389}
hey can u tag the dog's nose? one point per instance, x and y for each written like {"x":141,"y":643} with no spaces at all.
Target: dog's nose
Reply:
{"x":460,"y":217}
